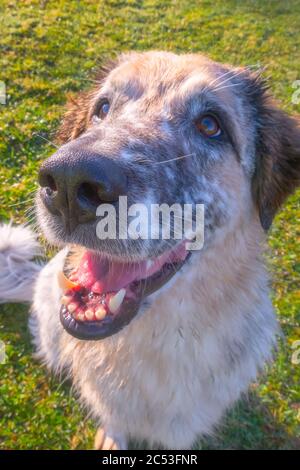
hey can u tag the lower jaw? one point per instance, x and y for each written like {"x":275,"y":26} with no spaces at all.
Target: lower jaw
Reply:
{"x":99,"y":329}
{"x":114,"y":323}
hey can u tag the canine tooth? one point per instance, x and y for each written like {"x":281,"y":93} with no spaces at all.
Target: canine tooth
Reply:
{"x":64,"y":282}
{"x":72,"y":307}
{"x":89,"y":314}
{"x":100,"y":313}
{"x":65,"y":300}
{"x":115,"y":302}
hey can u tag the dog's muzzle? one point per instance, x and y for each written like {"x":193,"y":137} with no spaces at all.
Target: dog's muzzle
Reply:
{"x":102,"y":294}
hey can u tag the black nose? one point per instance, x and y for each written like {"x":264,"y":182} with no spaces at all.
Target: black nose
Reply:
{"x":74,"y":183}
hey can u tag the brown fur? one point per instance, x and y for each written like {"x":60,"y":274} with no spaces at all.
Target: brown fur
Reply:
{"x":76,"y":116}
{"x":278,"y":160}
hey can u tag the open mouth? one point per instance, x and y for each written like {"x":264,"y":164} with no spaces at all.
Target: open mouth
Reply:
{"x":103,"y":295}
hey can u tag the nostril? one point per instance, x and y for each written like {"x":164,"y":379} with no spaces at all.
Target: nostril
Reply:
{"x":47,"y":181}
{"x":51,"y":183}
{"x":89,"y":192}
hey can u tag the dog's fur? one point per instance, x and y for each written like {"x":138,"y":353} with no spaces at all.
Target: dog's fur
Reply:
{"x":171,"y":373}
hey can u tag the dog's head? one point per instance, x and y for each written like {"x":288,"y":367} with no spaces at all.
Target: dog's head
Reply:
{"x":159,"y":128}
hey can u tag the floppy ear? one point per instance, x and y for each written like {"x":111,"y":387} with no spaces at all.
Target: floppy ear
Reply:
{"x":77,"y":114}
{"x":277,"y":171}
{"x":75,"y":119}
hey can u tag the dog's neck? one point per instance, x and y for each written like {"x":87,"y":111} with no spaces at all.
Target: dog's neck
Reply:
{"x":227,"y":276}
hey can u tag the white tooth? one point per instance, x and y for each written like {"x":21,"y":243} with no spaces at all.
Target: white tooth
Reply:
{"x":80,"y":317}
{"x":72,"y":308}
{"x":115,"y":302}
{"x":65,"y":300}
{"x":149,"y":264}
{"x":100,"y":313}
{"x":89,"y":314}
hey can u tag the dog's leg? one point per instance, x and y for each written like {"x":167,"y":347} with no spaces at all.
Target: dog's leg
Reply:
{"x":106,"y":440}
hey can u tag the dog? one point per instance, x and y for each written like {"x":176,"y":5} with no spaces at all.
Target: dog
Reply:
{"x":160,"y":341}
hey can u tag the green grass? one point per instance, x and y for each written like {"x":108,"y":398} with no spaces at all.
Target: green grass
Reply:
{"x":49,"y":49}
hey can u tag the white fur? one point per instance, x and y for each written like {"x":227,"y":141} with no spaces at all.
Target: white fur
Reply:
{"x":18,"y":247}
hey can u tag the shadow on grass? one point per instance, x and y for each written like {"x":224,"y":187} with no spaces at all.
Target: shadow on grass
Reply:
{"x":251,"y":425}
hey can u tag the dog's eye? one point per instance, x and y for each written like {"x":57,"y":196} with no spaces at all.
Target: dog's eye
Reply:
{"x":102,"y":110}
{"x":208,"y":126}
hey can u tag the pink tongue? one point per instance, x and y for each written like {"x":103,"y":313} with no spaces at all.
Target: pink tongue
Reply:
{"x":100,"y":274}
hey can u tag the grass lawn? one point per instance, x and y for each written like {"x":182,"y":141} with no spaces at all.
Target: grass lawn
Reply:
{"x":49,"y":49}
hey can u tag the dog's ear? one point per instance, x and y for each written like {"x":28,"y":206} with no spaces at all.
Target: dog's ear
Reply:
{"x":76,"y":116}
{"x":277,"y":172}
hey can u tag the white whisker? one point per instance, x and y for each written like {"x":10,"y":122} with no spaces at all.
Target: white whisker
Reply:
{"x":227,"y":86}
{"x":234,"y":74}
{"x":176,"y":158}
{"x":46,"y":140}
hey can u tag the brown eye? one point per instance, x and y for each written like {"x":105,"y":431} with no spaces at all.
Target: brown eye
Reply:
{"x":103,"y":110}
{"x":209,"y":126}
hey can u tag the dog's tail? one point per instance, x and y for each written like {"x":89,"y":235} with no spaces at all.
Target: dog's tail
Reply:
{"x":18,"y":269}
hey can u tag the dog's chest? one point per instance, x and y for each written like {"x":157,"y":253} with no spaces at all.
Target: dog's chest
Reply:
{"x":154,"y":363}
